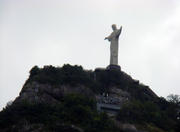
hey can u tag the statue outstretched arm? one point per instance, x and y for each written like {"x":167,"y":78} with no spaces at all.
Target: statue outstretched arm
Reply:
{"x":109,"y":38}
{"x":119,"y":31}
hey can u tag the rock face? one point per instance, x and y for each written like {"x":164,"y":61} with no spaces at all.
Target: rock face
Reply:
{"x":129,"y":128}
{"x":49,"y":94}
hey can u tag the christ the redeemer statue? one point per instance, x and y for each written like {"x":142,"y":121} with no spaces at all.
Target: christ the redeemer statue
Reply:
{"x":114,"y":38}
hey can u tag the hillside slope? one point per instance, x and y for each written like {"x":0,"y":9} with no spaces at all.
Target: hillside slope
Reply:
{"x":65,"y":98}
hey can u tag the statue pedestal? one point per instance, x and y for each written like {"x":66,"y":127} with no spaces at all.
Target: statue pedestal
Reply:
{"x":114,"y":67}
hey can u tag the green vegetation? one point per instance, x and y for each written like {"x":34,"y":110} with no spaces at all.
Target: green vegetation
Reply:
{"x":74,"y":109}
{"x":107,"y":79}
{"x":71,"y":75}
{"x":98,"y":81}
{"x":160,"y":114}
{"x":144,"y":109}
{"x":67,"y":74}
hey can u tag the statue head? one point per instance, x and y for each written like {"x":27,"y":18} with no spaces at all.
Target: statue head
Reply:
{"x":114,"y":27}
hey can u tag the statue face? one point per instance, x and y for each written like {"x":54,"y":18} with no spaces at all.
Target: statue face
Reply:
{"x":114,"y":27}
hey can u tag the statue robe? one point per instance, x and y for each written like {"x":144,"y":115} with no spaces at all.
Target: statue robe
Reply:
{"x":114,"y":38}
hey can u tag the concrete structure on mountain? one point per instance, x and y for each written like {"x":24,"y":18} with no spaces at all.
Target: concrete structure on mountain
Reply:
{"x":114,"y":38}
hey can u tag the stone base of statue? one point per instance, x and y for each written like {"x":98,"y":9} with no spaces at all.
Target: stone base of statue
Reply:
{"x":113,"y":67}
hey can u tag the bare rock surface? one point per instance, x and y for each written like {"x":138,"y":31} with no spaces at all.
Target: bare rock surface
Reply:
{"x":49,"y":94}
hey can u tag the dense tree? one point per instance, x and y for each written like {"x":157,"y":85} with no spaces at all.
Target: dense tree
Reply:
{"x":174,"y":98}
{"x":74,"y":109}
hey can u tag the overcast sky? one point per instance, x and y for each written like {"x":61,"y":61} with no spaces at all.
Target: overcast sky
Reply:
{"x":57,"y":32}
